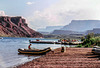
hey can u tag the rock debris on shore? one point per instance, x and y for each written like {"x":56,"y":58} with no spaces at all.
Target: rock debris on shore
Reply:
{"x":72,"y":58}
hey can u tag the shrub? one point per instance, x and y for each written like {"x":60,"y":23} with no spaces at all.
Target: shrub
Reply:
{"x":90,"y":41}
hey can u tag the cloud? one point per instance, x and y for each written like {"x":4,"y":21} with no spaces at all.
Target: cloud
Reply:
{"x":62,"y":12}
{"x":2,"y":13}
{"x":30,"y":3}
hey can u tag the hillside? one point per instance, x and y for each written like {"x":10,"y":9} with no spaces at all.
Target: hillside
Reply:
{"x":64,"y":32}
{"x":82,"y":25}
{"x":49,"y":29}
{"x":95,"y":31}
{"x":16,"y":27}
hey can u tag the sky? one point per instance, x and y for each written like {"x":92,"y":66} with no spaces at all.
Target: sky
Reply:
{"x":42,"y":13}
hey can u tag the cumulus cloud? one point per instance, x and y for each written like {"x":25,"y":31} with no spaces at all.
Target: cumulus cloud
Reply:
{"x":30,"y":3}
{"x":64,"y":11}
{"x":2,"y":13}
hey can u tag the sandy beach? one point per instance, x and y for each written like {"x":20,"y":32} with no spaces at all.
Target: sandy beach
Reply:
{"x":72,"y":58}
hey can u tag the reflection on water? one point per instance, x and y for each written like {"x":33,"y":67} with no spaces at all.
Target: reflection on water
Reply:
{"x":8,"y":50}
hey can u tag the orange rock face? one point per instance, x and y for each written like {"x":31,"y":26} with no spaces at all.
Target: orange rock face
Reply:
{"x":16,"y":26}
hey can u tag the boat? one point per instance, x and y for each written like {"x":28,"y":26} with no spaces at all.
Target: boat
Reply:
{"x":54,"y":42}
{"x":34,"y":51}
{"x":48,"y":42}
{"x":1,"y":38}
{"x":43,"y":42}
{"x":96,"y":50}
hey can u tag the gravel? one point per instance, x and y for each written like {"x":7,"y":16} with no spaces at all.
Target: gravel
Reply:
{"x":72,"y":58}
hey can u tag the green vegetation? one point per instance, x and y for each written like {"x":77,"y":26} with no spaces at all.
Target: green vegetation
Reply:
{"x":90,"y":40}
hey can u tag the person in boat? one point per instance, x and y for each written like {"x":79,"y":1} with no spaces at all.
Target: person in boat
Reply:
{"x":29,"y":47}
{"x":37,"y":40}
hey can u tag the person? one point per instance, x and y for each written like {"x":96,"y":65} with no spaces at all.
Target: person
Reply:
{"x":29,"y":47}
{"x":63,"y":49}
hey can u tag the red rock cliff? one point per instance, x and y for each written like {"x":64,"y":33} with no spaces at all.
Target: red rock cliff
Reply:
{"x":16,"y":27}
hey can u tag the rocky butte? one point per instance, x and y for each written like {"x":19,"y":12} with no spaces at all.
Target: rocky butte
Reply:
{"x":16,"y":27}
{"x":80,"y":27}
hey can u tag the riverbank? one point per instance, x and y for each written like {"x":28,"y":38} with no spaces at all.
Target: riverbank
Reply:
{"x":72,"y":58}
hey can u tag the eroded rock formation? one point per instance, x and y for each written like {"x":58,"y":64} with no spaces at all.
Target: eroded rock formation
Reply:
{"x":16,"y":27}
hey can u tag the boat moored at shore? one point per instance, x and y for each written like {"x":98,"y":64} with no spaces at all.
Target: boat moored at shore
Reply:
{"x":34,"y":51}
{"x":96,"y":50}
{"x":1,"y":38}
{"x":53,"y":42}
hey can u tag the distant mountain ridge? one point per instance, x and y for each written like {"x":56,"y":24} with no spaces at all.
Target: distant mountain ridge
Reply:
{"x":50,"y":28}
{"x":95,"y":31}
{"x":65,"y":32}
{"x":16,"y":27}
{"x":82,"y":25}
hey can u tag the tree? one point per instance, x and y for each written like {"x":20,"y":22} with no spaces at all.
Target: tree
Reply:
{"x":83,"y":38}
{"x":90,"y":35}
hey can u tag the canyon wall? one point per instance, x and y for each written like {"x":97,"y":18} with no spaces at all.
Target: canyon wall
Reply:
{"x":16,"y":27}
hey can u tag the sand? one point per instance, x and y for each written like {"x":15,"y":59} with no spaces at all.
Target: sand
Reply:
{"x":72,"y":58}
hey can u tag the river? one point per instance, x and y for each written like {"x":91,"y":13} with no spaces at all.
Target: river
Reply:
{"x":9,"y":56}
